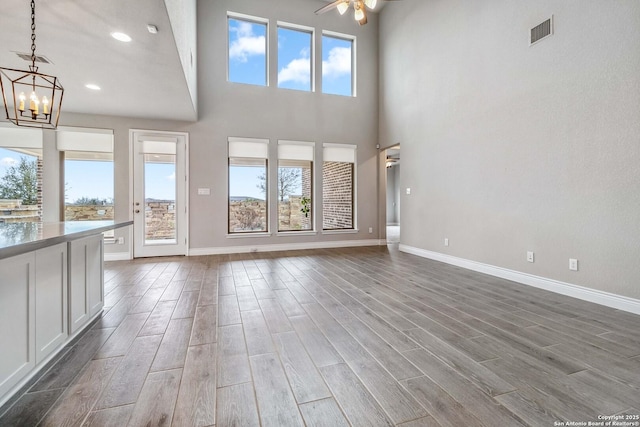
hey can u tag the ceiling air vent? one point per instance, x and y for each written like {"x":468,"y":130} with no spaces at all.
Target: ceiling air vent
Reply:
{"x":541,"y":31}
{"x":39,"y":58}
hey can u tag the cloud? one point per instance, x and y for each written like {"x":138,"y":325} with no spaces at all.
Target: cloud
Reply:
{"x":8,"y":161}
{"x":338,"y":63}
{"x":171,"y":177}
{"x":298,"y":70}
{"x":247,"y":44}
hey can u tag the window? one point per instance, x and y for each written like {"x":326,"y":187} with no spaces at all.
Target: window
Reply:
{"x":247,"y":58}
{"x":295,"y":53}
{"x":295,"y":186}
{"x":248,"y":185}
{"x":338,"y":64}
{"x":338,"y":184}
{"x":88,"y":175}
{"x":20,"y":175}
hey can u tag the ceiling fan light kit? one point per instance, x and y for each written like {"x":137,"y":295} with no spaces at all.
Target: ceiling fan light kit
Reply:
{"x":359,"y":8}
{"x":42,"y":108}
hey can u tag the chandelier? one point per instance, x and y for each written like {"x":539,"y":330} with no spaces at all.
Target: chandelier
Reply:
{"x":31,"y":99}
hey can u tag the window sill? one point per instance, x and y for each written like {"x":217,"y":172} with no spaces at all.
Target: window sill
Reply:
{"x":348,"y":231}
{"x":297,"y":233}
{"x":247,"y":235}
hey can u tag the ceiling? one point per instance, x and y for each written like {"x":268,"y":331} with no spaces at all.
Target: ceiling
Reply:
{"x":143,"y":78}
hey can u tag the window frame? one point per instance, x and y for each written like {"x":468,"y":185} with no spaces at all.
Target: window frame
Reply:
{"x":72,"y":145}
{"x":253,"y":20}
{"x":233,"y":140}
{"x":313,"y":211}
{"x":354,"y":205}
{"x":354,"y":53}
{"x":312,"y":52}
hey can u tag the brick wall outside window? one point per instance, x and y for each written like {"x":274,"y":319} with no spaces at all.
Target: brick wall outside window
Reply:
{"x":337,"y":195}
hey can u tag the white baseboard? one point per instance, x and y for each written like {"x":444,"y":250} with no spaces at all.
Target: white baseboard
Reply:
{"x":117,"y":256}
{"x":599,"y":297}
{"x":285,"y":247}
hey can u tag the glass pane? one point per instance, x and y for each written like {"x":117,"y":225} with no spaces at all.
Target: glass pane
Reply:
{"x":247,"y":52}
{"x":337,"y":195}
{"x":337,"y":63}
{"x":88,"y":199}
{"x":247,"y":195}
{"x":20,"y":186}
{"x":160,"y":198}
{"x":294,"y":59}
{"x":294,"y":195}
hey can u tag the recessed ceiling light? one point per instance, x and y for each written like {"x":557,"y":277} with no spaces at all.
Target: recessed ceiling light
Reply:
{"x":121,"y":37}
{"x":92,"y":86}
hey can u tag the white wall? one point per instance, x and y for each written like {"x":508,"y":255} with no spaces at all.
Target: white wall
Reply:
{"x":509,"y":148}
{"x":227,"y":109}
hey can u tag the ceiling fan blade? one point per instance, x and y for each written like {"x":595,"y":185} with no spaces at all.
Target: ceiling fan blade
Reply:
{"x":328,"y":7}
{"x":363,"y":21}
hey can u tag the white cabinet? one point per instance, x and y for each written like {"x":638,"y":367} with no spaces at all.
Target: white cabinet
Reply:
{"x":86,"y":280}
{"x":51,"y":299}
{"x":17,"y":319}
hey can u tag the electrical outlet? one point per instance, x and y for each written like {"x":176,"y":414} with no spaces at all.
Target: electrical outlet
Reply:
{"x":408,"y":191}
{"x":370,"y":230}
{"x":573,"y":264}
{"x":121,"y":240}
{"x":530,"y":256}
{"x":446,"y":241}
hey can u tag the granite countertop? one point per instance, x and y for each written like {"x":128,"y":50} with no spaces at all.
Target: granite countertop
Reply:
{"x":22,"y":237}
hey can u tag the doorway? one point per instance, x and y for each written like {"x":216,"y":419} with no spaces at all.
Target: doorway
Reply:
{"x":159,"y":193}
{"x":393,"y":194}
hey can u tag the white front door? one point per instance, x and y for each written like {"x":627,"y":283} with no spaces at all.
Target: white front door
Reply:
{"x":159,"y":193}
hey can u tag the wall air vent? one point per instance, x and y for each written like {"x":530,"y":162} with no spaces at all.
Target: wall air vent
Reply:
{"x":39,"y":58}
{"x":541,"y":31}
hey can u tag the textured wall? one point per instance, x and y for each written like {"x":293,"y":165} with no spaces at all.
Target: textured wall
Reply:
{"x":509,"y":148}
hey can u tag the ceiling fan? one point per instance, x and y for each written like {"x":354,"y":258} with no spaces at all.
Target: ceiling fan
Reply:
{"x":359,"y":8}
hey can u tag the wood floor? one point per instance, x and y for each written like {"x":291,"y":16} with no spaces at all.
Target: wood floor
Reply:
{"x":362,"y":337}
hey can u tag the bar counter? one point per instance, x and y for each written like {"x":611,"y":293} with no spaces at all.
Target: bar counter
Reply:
{"x":51,"y":289}
{"x":22,"y":237}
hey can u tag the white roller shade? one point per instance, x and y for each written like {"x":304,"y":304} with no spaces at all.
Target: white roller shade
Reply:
{"x":16,"y":137}
{"x":339,"y":153}
{"x":291,"y":150}
{"x":98,"y":140}
{"x":249,"y":148}
{"x":158,"y":147}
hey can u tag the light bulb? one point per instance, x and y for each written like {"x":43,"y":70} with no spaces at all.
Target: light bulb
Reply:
{"x":22,"y":98}
{"x":358,"y":15}
{"x":32,"y":104}
{"x":342,"y":7}
{"x":45,"y":105}
{"x":371,"y":4}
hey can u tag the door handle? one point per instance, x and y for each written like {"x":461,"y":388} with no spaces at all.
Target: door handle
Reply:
{"x":137,"y":211}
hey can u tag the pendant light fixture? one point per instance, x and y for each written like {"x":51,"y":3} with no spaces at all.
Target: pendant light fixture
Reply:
{"x":31,"y":99}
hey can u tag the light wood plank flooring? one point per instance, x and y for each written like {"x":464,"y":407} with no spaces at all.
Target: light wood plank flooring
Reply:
{"x":361,"y":337}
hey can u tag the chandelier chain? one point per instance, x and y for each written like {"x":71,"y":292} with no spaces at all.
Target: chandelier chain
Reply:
{"x":33,"y":33}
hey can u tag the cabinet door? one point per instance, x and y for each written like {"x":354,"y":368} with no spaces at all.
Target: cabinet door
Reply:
{"x":95,"y":274}
{"x":17,"y":319}
{"x":78,"y":298}
{"x":51,"y":299}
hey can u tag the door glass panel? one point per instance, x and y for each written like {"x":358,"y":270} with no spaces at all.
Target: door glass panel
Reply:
{"x":160,"y":199}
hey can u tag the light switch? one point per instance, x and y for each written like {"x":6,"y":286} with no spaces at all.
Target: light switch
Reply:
{"x":204,"y":191}
{"x":408,"y":190}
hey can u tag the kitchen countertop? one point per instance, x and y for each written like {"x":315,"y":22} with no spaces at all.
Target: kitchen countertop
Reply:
{"x":22,"y":237}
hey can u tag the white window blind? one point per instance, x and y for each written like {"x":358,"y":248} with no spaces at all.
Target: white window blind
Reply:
{"x":92,"y":140}
{"x":249,"y":148}
{"x":339,"y":153}
{"x":293,"y":150}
